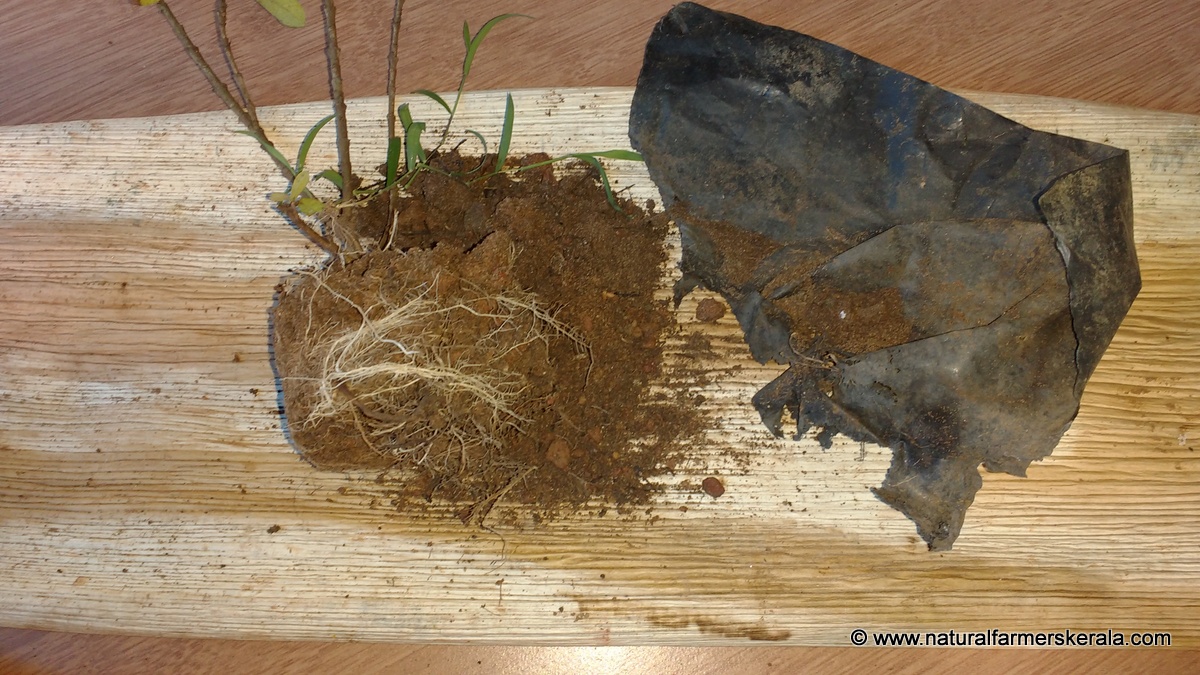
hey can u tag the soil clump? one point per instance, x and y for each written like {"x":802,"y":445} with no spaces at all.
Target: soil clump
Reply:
{"x":497,"y":339}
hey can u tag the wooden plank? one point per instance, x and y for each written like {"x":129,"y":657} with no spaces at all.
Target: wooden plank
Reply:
{"x":66,"y":60}
{"x":142,"y":461}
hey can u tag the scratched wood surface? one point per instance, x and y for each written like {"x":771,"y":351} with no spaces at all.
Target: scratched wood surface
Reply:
{"x":146,"y":486}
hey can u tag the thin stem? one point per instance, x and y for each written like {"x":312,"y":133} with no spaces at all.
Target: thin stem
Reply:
{"x":244,"y":111}
{"x":349,"y":182}
{"x":293,"y":216}
{"x":219,"y":87}
{"x":393,"y":69}
{"x":235,"y":73}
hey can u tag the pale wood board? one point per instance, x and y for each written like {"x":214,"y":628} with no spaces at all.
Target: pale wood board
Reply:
{"x":141,"y":463}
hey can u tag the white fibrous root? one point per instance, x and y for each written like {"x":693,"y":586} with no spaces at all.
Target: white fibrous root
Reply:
{"x":437,"y":377}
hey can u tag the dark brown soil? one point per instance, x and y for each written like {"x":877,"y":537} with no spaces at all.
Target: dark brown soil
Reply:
{"x":536,"y":286}
{"x":709,"y":311}
{"x":827,"y":319}
{"x":713,"y":487}
{"x":822,"y":318}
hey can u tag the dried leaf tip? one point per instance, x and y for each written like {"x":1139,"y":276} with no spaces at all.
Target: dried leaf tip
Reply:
{"x":288,"y":12}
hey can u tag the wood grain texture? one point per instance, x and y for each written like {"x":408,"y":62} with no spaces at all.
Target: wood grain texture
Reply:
{"x":63,"y":60}
{"x":38,"y":653}
{"x":148,"y":487}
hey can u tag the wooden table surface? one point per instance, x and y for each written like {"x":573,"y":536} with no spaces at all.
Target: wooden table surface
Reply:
{"x":63,"y":60}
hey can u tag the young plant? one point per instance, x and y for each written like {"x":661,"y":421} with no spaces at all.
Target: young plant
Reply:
{"x":437,"y":371}
{"x":416,"y":157}
{"x":298,"y":193}
{"x":289,"y":13}
{"x":299,"y":201}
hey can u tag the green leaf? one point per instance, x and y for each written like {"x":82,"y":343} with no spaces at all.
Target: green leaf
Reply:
{"x":535,"y":165}
{"x":473,"y":43}
{"x":310,"y":206}
{"x":505,"y":134}
{"x":147,"y":3}
{"x":280,"y":197}
{"x":627,"y":155}
{"x":405,"y":114}
{"x":608,"y":193}
{"x":271,"y":150}
{"x":592,"y":158}
{"x":393,"y":160}
{"x":414,"y":154}
{"x":434,"y":95}
{"x":302,"y":156}
{"x":287,"y":12}
{"x":482,"y":140}
{"x":299,"y":184}
{"x":332,"y":176}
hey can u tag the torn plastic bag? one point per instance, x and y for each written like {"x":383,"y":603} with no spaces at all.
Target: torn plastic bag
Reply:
{"x":936,"y":278}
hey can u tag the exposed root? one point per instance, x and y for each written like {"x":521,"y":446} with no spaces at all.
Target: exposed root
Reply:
{"x":493,"y":341}
{"x":437,"y":376}
{"x":477,"y":513}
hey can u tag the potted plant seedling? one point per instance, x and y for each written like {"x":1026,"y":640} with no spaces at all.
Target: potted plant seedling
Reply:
{"x":481,"y":326}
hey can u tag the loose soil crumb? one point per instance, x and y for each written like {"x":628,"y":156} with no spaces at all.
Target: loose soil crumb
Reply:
{"x":497,"y":343}
{"x":709,"y":311}
{"x":713,"y":487}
